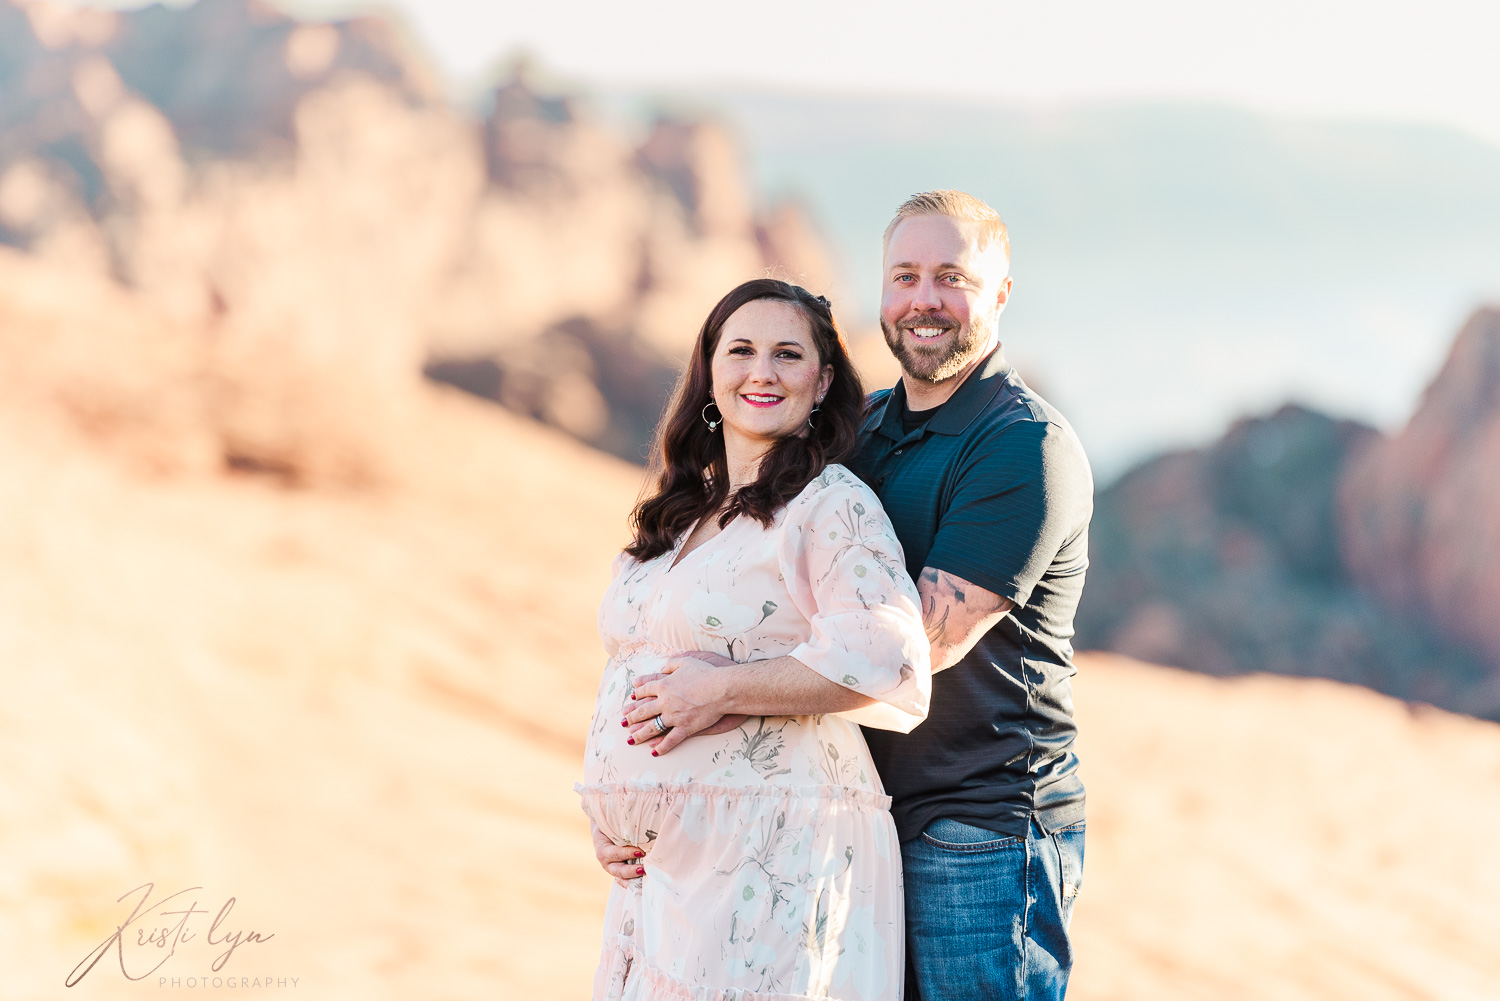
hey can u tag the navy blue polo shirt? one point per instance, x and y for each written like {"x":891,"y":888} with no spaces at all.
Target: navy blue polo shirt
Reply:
{"x":995,"y":488}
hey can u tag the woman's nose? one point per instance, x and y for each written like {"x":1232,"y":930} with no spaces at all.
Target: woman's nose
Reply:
{"x":763,"y":370}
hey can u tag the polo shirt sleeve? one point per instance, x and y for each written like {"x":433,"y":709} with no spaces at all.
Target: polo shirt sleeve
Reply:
{"x":1020,"y":495}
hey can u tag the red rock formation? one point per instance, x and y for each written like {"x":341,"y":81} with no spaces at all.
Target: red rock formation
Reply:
{"x":1421,"y":511}
{"x":295,"y":198}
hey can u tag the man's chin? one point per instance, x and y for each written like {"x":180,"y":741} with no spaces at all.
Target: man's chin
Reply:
{"x":925,"y":363}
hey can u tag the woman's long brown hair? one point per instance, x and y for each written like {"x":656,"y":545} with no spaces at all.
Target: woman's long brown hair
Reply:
{"x":691,"y":473}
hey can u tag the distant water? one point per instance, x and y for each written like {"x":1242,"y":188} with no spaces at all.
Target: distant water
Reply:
{"x":1174,"y":266}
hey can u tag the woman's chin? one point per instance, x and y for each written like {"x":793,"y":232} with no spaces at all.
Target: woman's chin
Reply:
{"x":766,"y":432}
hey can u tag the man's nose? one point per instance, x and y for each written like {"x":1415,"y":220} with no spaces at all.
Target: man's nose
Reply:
{"x":926,"y":299}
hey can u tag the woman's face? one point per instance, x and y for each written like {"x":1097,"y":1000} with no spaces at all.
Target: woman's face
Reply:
{"x":766,"y":375}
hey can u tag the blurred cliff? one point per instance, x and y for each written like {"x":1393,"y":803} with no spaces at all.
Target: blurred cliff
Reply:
{"x":291,"y":213}
{"x":1305,"y":545}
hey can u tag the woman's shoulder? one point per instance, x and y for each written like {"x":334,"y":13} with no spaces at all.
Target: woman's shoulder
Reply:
{"x":834,"y":486}
{"x":623,"y":564}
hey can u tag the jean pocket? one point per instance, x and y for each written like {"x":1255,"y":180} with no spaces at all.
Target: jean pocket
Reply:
{"x":956,"y":836}
{"x":1069,"y":841}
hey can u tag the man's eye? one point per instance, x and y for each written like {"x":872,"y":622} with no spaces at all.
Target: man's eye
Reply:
{"x":954,"y":279}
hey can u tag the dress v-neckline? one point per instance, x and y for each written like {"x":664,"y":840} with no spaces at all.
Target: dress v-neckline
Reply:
{"x":679,"y":557}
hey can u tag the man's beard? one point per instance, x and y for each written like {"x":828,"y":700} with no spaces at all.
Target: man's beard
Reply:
{"x":938,"y":363}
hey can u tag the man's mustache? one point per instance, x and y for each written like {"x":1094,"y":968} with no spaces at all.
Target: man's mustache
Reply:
{"x":929,"y":323}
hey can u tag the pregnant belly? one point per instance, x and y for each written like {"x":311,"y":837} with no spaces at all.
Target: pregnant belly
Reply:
{"x":631,"y":795}
{"x":610,"y":760}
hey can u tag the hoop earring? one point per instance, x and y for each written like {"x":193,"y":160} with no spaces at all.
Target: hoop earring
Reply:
{"x":712,"y":425}
{"x":810,"y":416}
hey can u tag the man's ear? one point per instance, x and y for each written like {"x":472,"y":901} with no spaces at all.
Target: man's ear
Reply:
{"x":1002,"y":296}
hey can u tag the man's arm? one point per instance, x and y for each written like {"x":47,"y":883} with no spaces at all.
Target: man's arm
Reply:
{"x":956,"y":614}
{"x":692,"y":695}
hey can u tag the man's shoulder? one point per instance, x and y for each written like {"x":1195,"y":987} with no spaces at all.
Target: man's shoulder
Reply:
{"x":875,"y":402}
{"x":1018,"y":406}
{"x":1021,"y":421}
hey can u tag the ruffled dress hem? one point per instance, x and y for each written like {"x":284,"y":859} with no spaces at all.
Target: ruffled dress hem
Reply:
{"x":636,"y":980}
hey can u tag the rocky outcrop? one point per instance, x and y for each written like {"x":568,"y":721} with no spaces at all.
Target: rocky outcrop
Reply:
{"x":296,"y":202}
{"x":1420,"y":512}
{"x":1227,"y":560}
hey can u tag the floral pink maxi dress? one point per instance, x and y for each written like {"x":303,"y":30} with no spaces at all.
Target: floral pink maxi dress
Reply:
{"x":773,"y":870}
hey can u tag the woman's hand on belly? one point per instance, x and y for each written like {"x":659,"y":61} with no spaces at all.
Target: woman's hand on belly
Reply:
{"x":688,"y":708}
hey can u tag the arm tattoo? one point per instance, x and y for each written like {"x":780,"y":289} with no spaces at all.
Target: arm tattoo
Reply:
{"x":956,"y":613}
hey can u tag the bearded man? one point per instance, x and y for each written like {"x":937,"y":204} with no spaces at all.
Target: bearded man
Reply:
{"x":990,"y":494}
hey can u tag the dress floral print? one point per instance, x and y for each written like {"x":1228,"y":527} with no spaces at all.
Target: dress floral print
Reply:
{"x":772,"y":870}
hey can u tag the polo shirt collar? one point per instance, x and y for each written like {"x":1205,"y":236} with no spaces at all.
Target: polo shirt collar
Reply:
{"x":967,"y":402}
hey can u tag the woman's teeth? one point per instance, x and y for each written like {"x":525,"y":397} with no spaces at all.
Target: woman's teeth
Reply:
{"x":758,"y":398}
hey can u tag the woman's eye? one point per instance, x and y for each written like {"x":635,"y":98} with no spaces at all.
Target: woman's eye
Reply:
{"x":791,"y":356}
{"x":742,"y":350}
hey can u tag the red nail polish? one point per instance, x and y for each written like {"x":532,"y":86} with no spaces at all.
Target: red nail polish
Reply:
{"x":630,"y":741}
{"x":640,"y":871}
{"x":640,"y":854}
{"x":653,"y":754}
{"x":624,"y":722}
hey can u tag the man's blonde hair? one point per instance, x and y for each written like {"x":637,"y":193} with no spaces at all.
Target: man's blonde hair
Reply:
{"x":956,"y":205}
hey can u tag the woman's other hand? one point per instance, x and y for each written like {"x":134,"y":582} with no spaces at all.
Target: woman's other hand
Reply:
{"x":620,"y":861}
{"x":684,"y":696}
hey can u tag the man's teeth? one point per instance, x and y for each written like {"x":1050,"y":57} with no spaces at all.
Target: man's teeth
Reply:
{"x":928,"y":331}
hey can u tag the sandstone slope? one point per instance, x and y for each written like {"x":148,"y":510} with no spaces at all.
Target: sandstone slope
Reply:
{"x":359,"y":713}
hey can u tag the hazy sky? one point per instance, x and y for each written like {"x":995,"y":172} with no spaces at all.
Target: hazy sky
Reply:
{"x":1433,"y":60}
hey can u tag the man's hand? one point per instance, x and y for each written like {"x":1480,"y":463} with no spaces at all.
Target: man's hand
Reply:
{"x":956,"y":613}
{"x":620,"y":861}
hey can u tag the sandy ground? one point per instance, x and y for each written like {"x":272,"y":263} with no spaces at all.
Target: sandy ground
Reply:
{"x":359,"y":714}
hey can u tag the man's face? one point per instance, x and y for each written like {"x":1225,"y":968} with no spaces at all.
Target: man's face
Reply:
{"x":941,"y":297}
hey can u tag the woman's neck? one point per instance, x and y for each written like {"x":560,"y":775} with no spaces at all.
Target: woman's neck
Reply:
{"x":742,"y":456}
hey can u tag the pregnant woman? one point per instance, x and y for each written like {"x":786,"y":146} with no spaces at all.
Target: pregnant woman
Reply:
{"x":766,"y":862}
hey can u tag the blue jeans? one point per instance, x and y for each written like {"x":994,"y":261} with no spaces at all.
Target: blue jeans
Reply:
{"x":987,"y":914}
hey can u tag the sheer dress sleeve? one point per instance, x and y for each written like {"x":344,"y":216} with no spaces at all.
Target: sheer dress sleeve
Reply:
{"x":845,"y":571}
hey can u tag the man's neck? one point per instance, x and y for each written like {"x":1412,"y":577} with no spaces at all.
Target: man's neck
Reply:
{"x":922,"y":395}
